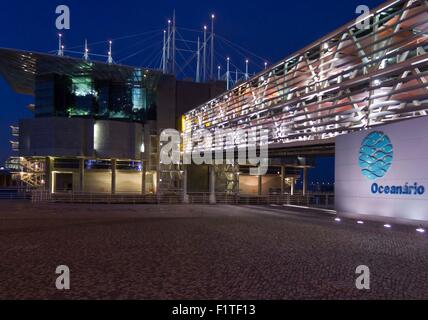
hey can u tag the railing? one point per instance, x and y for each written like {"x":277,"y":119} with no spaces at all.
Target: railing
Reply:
{"x":312,"y":200}
{"x":15,"y":194}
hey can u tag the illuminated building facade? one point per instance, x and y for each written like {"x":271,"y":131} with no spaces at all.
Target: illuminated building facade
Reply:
{"x":96,"y":125}
{"x":353,"y":79}
{"x":370,"y":72}
{"x":349,"y":80}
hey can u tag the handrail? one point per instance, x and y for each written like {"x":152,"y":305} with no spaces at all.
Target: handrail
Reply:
{"x":313,"y":199}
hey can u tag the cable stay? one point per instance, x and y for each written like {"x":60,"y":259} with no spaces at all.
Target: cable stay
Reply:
{"x":202,"y":54}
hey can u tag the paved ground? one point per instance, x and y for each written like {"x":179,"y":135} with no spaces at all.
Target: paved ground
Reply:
{"x":202,"y":252}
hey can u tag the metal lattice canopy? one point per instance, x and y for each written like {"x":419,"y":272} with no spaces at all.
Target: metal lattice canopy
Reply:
{"x":349,"y":80}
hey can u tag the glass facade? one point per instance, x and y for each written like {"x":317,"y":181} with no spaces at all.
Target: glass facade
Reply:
{"x":86,"y":95}
{"x":66,"y":163}
{"x":129,"y":166}
{"x":52,"y":95}
{"x":98,"y":165}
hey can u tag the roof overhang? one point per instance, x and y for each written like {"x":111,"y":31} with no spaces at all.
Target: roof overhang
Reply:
{"x":20,"y":69}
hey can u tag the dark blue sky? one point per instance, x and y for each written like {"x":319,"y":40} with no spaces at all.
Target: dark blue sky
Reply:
{"x":269,"y":28}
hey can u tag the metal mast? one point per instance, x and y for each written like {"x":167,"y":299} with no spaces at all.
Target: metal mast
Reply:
{"x":86,"y":53}
{"x":110,"y":53}
{"x":228,"y":73}
{"x":205,"y":55}
{"x":174,"y":30}
{"x":60,"y":46}
{"x":198,"y":64}
{"x":168,"y":55}
{"x":164,"y":53}
{"x":212,"y":46}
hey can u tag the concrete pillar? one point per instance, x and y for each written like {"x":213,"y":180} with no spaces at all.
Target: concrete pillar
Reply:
{"x":186,"y":199}
{"x":213,"y":199}
{"x":293,"y":183}
{"x":81,"y":175}
{"x":238,"y":175}
{"x":48,"y":174}
{"x":260,"y":184}
{"x":305,"y":181}
{"x":113,"y":176}
{"x":143,"y":178}
{"x":156,"y":182}
{"x":282,"y":180}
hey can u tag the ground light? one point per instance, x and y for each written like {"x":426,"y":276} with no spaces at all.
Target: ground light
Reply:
{"x":388,"y":226}
{"x":360,"y":222}
{"x":338,"y":220}
{"x":420,"y":230}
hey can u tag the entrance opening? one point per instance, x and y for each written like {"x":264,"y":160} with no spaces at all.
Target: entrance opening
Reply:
{"x":63,"y":182}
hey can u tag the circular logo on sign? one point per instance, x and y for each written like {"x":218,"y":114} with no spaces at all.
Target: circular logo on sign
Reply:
{"x":376,"y":155}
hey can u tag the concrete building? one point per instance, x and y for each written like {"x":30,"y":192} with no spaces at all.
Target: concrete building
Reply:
{"x":96,"y":126}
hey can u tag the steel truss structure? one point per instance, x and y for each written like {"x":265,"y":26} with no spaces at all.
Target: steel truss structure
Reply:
{"x":350,"y":80}
{"x":30,"y":172}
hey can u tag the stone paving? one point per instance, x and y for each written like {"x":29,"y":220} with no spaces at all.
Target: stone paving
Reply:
{"x":202,"y":252}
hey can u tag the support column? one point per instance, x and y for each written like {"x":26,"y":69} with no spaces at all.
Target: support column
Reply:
{"x":143,"y":178}
{"x":113,"y":176}
{"x":305,"y":181}
{"x":186,"y":199}
{"x":260,"y":185}
{"x":237,"y":177}
{"x":48,"y":175}
{"x":213,"y":199}
{"x":81,"y":175}
{"x":293,"y":183}
{"x":282,"y":180}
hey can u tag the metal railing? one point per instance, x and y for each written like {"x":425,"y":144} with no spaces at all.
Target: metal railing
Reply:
{"x":312,"y":200}
{"x":15,"y":194}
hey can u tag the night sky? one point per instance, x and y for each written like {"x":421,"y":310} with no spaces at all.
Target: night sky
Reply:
{"x":271,"y":29}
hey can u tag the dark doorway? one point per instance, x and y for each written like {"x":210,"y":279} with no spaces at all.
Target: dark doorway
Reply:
{"x":63,"y":182}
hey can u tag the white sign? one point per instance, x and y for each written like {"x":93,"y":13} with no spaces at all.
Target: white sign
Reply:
{"x":381,"y":174}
